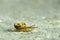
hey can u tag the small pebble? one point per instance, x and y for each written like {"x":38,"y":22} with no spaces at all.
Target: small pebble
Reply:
{"x":0,"y":20}
{"x":43,"y":17}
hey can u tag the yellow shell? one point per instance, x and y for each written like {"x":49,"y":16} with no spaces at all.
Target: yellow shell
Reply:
{"x":20,"y":26}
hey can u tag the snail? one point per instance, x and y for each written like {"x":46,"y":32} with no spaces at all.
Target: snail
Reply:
{"x":21,"y":26}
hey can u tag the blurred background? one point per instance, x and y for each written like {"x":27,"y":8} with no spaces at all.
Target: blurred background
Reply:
{"x":44,"y":14}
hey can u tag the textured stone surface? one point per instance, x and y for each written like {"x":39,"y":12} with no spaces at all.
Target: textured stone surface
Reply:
{"x":43,"y":13}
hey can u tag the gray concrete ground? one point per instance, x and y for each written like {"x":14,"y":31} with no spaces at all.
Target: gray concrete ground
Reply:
{"x":44,"y":14}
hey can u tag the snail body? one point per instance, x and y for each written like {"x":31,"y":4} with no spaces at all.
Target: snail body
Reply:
{"x":20,"y":26}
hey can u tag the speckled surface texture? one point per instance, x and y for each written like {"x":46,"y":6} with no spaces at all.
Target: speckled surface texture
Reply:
{"x":44,"y":14}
